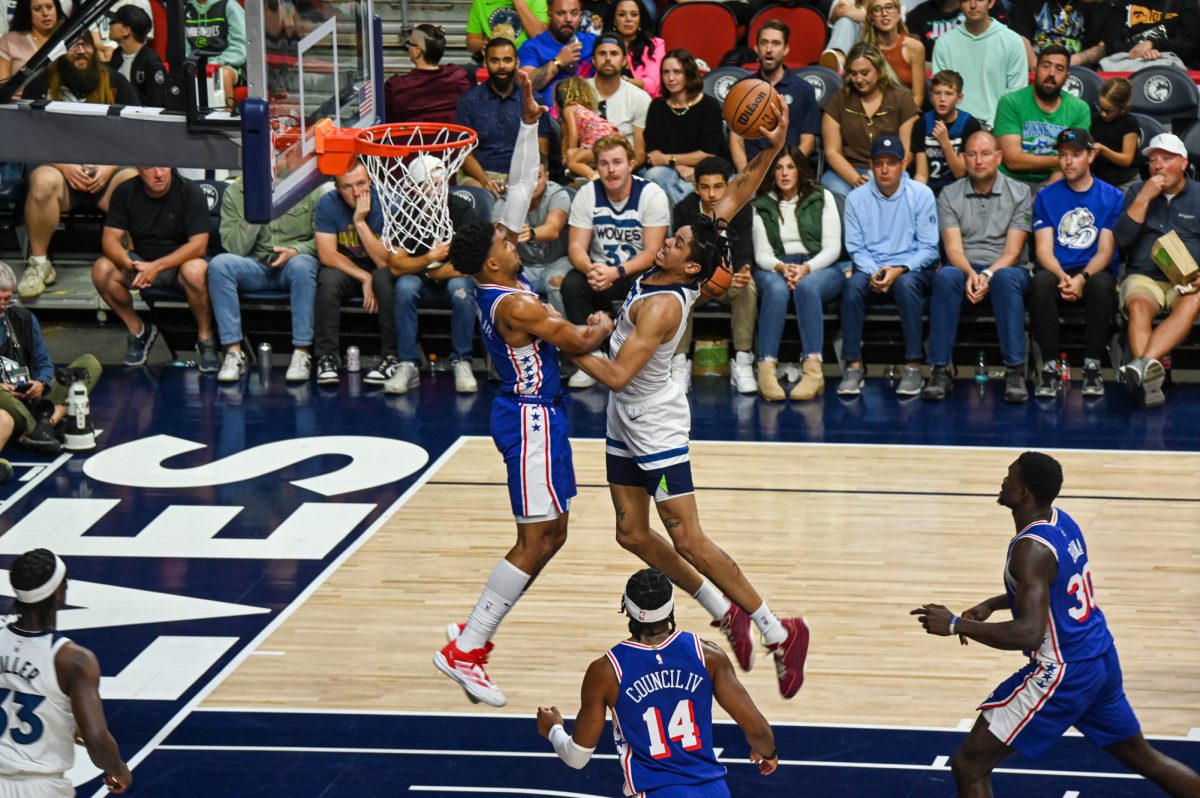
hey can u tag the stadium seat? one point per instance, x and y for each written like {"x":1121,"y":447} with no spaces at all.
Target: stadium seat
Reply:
{"x":718,"y":82}
{"x":708,"y":30}
{"x":1085,"y":84}
{"x":808,"y":32}
{"x":1165,"y":93}
{"x":158,"y":14}
{"x":825,"y":81}
{"x":1148,"y":128}
{"x":214,"y":192}
{"x":480,"y":198}
{"x":1191,"y":140}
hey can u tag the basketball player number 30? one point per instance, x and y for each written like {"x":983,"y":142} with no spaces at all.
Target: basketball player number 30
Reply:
{"x":682,"y":728}
{"x":1080,"y":586}
{"x":25,"y":716}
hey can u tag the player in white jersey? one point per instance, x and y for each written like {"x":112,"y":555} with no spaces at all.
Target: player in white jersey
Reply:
{"x":647,"y":437}
{"x":49,"y":691}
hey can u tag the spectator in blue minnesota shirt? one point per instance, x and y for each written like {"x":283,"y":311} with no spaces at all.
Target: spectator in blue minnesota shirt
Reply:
{"x":493,"y":110}
{"x":892,"y":236}
{"x":560,"y":52}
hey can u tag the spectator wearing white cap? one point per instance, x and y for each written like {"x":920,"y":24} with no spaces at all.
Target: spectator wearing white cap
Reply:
{"x":1168,"y":200}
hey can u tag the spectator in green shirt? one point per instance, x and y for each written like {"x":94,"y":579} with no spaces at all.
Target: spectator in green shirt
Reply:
{"x":516,"y":20}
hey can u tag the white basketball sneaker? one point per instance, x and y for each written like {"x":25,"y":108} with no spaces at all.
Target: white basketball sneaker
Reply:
{"x":466,"y":668}
{"x":681,"y":372}
{"x":741,"y":373}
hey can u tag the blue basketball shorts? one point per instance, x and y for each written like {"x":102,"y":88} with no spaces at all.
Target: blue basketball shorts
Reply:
{"x":1032,"y":708}
{"x":532,"y":439}
{"x":709,"y":789}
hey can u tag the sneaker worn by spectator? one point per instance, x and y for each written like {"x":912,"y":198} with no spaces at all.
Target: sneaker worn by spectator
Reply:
{"x":940,"y":385}
{"x":137,"y":347}
{"x":208,"y":358}
{"x":327,"y":370}
{"x":681,"y":372}
{"x":464,"y":379}
{"x":403,"y":379}
{"x":300,"y":369}
{"x":1014,"y":385}
{"x":911,"y":380}
{"x":741,"y":373}
{"x":6,"y":471}
{"x":1049,"y":381}
{"x":581,"y":379}
{"x":41,"y":439}
{"x":1093,"y":381}
{"x":233,"y":368}
{"x":383,"y":371}
{"x":852,"y":381}
{"x":39,"y":274}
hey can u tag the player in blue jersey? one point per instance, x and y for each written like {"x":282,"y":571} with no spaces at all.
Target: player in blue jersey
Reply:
{"x":528,"y":424}
{"x":1073,"y":677}
{"x":659,"y":685}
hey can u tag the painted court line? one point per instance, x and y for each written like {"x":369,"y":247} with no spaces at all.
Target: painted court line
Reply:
{"x":502,"y":791}
{"x":47,"y":470}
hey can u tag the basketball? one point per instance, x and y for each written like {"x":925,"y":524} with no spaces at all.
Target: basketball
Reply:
{"x":716,"y":285}
{"x":748,"y":108}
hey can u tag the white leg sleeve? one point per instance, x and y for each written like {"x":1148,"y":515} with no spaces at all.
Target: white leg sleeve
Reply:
{"x":522,"y":177}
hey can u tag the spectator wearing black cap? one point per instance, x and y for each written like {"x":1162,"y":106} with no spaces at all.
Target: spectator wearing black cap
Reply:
{"x":129,"y":26}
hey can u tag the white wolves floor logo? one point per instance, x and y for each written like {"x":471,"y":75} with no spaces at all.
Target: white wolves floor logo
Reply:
{"x":1077,"y":229}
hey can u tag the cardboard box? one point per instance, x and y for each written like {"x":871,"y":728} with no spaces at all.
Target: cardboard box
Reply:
{"x":1173,"y":258}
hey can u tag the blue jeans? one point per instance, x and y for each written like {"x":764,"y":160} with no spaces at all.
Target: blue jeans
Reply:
{"x":810,"y":297}
{"x":539,"y":276}
{"x":909,"y":292}
{"x":669,"y":181}
{"x":1006,"y":293}
{"x":229,"y":274}
{"x":834,"y":183}
{"x":459,"y":292}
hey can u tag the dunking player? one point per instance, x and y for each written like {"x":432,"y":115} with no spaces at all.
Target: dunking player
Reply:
{"x":1073,"y":677}
{"x":647,"y":439}
{"x":49,"y":691}
{"x":529,"y":426}
{"x":660,"y":685}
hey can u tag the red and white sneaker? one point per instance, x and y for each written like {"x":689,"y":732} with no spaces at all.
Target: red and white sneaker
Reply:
{"x":453,"y":631}
{"x":735,"y":625}
{"x":466,"y":668}
{"x":790,"y":655}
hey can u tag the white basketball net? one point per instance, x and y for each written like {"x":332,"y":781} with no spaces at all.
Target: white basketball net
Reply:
{"x":413,"y":186}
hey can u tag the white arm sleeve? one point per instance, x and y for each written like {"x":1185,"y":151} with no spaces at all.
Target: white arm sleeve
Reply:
{"x":567,"y":750}
{"x":522,"y":178}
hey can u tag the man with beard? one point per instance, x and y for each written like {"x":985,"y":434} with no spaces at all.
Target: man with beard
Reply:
{"x":1073,"y":677}
{"x":804,"y":115}
{"x":623,"y":104}
{"x":493,"y":110}
{"x":79,"y":76}
{"x":560,"y":52}
{"x":1029,"y":120}
{"x":990,"y":57}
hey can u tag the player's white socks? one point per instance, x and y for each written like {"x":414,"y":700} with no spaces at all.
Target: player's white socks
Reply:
{"x":503,"y":588}
{"x":768,"y":625}
{"x":712,"y":600}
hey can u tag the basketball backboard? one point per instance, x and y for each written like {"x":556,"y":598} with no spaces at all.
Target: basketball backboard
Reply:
{"x":306,"y":60}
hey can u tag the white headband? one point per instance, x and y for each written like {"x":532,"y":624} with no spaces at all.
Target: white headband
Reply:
{"x":47,"y":589}
{"x":649,"y":616}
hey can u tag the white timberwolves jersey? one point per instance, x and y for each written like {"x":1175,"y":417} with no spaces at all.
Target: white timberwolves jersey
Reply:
{"x":38,"y":738}
{"x":656,"y":374}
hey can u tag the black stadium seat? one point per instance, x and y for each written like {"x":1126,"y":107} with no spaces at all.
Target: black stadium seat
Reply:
{"x":1085,"y":84}
{"x":1165,"y":93}
{"x":718,"y":82}
{"x":824,"y":81}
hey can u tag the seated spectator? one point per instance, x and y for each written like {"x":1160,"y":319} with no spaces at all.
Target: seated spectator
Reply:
{"x":1162,"y":32}
{"x":32,"y":401}
{"x":905,"y":55}
{"x":217,"y":28}
{"x":515,"y":20}
{"x":646,"y":50}
{"x":618,"y":223}
{"x":930,"y":20}
{"x":940,"y":133}
{"x":430,"y":92}
{"x":1116,"y":133}
{"x":846,"y":20}
{"x":155,"y":235}
{"x":624,"y":105}
{"x":102,"y":37}
{"x":1029,"y":120}
{"x":891,"y":235}
{"x":542,"y":244}
{"x":712,"y":179}
{"x":33,"y":22}
{"x":416,"y":275}
{"x":804,"y":115}
{"x":55,"y":189}
{"x":1167,"y":201}
{"x":683,"y":127}
{"x":592,"y":19}
{"x":582,"y":126}
{"x":797,"y":239}
{"x":989,"y":56}
{"x":280,"y":256}
{"x":493,"y":110}
{"x":1073,"y":221}
{"x":985,"y":223}
{"x":870,"y":105}
{"x":1078,"y":28}
{"x":140,"y":65}
{"x":561,"y":51}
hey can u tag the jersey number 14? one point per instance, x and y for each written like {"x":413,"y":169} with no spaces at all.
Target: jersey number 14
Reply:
{"x":681,"y":728}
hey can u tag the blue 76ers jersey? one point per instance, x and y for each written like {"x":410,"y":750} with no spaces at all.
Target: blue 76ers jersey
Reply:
{"x":530,"y":371}
{"x":662,"y":722}
{"x":1076,"y":629}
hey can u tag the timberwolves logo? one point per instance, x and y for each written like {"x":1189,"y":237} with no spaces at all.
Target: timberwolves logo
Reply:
{"x":210,"y":196}
{"x":1157,"y":89}
{"x":505,"y":22}
{"x":818,"y":86}
{"x":1077,"y":229}
{"x":722,"y":85}
{"x":1074,"y":86}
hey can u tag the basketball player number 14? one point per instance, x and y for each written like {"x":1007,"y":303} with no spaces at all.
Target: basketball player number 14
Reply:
{"x":682,"y":728}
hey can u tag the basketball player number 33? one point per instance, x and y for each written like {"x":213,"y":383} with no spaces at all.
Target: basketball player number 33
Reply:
{"x":682,"y":728}
{"x":25,"y":717}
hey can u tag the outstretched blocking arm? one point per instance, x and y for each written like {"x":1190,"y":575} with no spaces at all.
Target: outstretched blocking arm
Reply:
{"x":526,"y":314}
{"x":734,"y":699}
{"x":657,"y":318}
{"x":599,"y":691}
{"x":79,"y":674}
{"x":744,"y":185}
{"x":523,"y":169}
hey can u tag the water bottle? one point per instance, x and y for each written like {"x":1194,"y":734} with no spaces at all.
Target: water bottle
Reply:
{"x":1064,"y":371}
{"x":981,"y":372}
{"x":435,"y":364}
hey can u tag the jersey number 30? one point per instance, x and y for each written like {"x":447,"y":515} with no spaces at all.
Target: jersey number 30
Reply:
{"x":25,"y":717}
{"x":681,"y":728}
{"x":1081,"y":588}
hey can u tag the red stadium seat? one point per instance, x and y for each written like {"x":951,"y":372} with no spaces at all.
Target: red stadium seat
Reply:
{"x":707,"y":30}
{"x":808,"y":32}
{"x":158,"y":14}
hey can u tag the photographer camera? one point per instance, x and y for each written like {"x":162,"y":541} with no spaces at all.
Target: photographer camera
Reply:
{"x":31,"y":400}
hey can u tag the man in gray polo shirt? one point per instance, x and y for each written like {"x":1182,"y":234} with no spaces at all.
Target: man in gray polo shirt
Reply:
{"x":985,"y":219}
{"x":1167,"y":201}
{"x":542,"y":246}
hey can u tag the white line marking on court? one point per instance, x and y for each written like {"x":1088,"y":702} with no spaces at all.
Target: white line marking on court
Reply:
{"x":1071,"y":794}
{"x":502,"y":791}
{"x":287,"y":611}
{"x":941,"y":761}
{"x":47,"y":470}
{"x":1194,"y":734}
{"x":31,"y":473}
{"x":965,"y":725}
{"x":263,"y":652}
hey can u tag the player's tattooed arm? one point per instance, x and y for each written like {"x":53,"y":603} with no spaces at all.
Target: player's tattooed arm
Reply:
{"x":744,"y":185}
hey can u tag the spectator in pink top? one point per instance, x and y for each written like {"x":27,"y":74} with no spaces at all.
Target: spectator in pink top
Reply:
{"x":646,"y":50}
{"x":32,"y":23}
